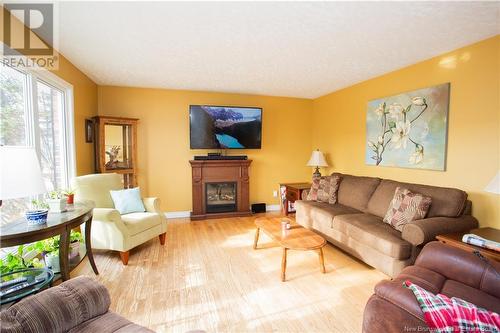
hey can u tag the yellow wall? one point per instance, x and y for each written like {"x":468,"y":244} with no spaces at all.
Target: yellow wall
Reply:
{"x":163,"y":140}
{"x":339,"y":123}
{"x":85,"y":106}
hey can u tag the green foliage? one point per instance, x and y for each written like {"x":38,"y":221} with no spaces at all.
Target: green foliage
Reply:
{"x":68,"y":192}
{"x":16,"y":261}
{"x":75,"y":236}
{"x":55,"y":194}
{"x":39,"y":204}
{"x":49,"y":245}
{"x":12,"y":105}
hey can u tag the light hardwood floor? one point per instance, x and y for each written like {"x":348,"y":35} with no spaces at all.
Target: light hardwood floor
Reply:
{"x":209,"y":277}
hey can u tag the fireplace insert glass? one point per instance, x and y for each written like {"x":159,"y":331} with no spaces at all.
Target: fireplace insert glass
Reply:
{"x":220,"y":197}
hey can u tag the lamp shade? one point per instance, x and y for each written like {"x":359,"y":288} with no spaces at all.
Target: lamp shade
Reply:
{"x":317,"y":159}
{"x":20,"y":174}
{"x":494,"y":185}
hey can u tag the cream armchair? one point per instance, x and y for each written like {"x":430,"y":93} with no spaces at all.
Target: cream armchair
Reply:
{"x":110,"y":230}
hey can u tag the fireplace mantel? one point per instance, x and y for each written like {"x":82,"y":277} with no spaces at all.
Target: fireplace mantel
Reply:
{"x":213,"y":171}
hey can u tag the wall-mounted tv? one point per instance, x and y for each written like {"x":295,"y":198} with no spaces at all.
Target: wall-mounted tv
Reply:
{"x":225,"y":127}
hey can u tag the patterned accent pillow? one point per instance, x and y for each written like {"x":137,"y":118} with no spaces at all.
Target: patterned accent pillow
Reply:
{"x":328,"y":188}
{"x":312,"y":195}
{"x":405,"y":207}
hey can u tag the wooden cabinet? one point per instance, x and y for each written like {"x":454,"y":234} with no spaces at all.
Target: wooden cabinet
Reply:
{"x":116,"y":147}
{"x":290,"y":192}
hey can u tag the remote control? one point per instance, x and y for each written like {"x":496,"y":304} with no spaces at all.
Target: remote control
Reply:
{"x":19,"y":287}
{"x":6,"y":284}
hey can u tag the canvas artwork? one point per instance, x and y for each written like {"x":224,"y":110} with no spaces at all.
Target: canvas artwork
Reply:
{"x":409,"y":130}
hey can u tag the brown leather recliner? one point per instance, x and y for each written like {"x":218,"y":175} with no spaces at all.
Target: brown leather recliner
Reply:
{"x":441,"y":269}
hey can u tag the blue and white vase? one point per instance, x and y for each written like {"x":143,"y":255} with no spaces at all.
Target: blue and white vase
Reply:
{"x":37,"y":217}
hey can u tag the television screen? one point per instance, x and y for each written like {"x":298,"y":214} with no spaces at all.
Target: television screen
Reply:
{"x":220,"y":127}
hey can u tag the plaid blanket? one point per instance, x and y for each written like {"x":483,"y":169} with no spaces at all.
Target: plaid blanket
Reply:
{"x":443,"y":314}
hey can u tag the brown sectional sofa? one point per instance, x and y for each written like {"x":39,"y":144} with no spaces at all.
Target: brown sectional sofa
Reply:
{"x":355,"y":224}
{"x":439,"y":268}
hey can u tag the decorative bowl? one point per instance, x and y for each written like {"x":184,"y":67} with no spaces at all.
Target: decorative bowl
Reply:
{"x":37,"y":217}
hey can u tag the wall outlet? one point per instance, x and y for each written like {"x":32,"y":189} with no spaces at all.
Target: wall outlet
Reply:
{"x":275,"y":194}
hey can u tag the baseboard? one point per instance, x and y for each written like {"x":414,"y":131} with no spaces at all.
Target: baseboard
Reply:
{"x":272,"y":208}
{"x":182,"y":214}
{"x":177,"y":215}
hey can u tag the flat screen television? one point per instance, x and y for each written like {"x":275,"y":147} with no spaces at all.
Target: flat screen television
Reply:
{"x":221,"y":127}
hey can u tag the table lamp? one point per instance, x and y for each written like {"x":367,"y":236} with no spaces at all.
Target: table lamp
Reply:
{"x":317,"y":160}
{"x":494,"y":185}
{"x":20,"y":174}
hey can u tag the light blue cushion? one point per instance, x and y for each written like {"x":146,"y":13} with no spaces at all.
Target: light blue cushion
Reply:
{"x":128,"y":201}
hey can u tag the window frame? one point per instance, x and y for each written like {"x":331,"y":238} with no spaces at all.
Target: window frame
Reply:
{"x":31,"y":104}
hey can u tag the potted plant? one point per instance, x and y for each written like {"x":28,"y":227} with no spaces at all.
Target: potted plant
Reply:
{"x":38,"y":213}
{"x":49,"y":248}
{"x":56,"y":201}
{"x":17,"y":261}
{"x":74,"y":246}
{"x":70,"y":196}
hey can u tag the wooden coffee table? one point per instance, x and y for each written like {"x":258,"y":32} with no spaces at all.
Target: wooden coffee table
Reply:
{"x":296,"y":238}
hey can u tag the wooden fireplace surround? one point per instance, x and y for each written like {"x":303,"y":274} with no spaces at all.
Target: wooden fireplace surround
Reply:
{"x":210,"y":171}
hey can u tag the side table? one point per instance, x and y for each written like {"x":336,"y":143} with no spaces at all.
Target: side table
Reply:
{"x":19,"y":232}
{"x":292,"y":192}
{"x":455,"y":240}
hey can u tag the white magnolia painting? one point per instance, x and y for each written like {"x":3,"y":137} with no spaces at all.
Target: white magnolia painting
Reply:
{"x":409,"y":130}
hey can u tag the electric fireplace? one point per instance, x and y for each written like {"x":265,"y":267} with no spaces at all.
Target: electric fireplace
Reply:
{"x":220,"y":197}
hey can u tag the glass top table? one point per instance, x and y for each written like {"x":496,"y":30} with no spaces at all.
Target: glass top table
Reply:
{"x":36,"y":279}
{"x":19,"y":232}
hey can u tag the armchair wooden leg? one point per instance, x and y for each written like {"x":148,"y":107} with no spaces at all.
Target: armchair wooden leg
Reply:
{"x":124,"y":256}
{"x":162,"y":238}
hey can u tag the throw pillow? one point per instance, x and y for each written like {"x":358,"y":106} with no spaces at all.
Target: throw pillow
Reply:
{"x":328,"y":188}
{"x":312,"y":195}
{"x":128,"y":201}
{"x":405,"y":207}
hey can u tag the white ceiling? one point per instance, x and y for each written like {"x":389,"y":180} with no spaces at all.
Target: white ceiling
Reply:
{"x":300,"y":49}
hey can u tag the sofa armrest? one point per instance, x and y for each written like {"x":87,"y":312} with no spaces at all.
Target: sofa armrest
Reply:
{"x":110,"y":217}
{"x":423,"y":231}
{"x":152,"y":205}
{"x":107,"y":215}
{"x":58,"y":309}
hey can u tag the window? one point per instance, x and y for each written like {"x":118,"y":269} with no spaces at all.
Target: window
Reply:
{"x":36,"y":111}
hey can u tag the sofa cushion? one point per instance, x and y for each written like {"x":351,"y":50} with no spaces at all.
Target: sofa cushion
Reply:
{"x":323,"y":213}
{"x":128,"y":200}
{"x":406,"y":207}
{"x":138,"y":222}
{"x":356,"y":191}
{"x":448,"y":202}
{"x":109,"y":322}
{"x":372,"y":231}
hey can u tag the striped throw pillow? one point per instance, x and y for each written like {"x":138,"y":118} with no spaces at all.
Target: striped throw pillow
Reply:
{"x":405,"y":207}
